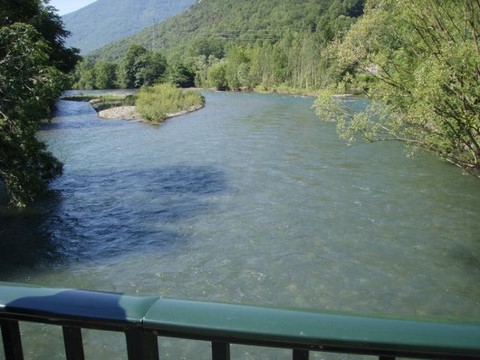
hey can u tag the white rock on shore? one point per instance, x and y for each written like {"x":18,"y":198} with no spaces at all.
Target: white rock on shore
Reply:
{"x":120,"y":112}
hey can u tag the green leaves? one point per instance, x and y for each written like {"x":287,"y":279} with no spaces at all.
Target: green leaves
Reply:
{"x":31,"y":60}
{"x":140,"y":67}
{"x":426,"y":58}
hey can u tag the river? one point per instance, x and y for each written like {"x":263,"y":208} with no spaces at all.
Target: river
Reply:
{"x":250,"y":200}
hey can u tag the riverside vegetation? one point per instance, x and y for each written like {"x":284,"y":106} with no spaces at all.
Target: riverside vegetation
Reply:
{"x":418,"y":61}
{"x":33,"y":72}
{"x":153,"y":103}
{"x":157,"y":103}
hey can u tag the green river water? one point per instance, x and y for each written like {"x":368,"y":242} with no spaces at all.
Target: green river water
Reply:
{"x":250,"y":200}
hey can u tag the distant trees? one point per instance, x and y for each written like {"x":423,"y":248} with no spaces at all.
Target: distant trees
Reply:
{"x":33,"y":63}
{"x":267,"y":44}
{"x":423,"y":59}
{"x":139,"y":67}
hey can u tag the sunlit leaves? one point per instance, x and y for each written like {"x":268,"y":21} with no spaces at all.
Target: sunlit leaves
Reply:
{"x":29,"y":85}
{"x":425,"y":59}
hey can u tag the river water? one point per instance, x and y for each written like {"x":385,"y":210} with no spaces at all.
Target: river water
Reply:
{"x":250,"y":200}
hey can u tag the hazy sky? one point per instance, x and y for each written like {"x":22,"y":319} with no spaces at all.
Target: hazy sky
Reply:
{"x":68,"y":6}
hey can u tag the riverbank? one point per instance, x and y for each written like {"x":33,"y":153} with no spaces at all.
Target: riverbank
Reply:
{"x":124,"y":107}
{"x":130,"y":113}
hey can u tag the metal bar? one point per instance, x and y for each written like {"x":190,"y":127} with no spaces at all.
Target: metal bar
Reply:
{"x":141,"y":345}
{"x":299,"y":354}
{"x":220,"y":350}
{"x":12,"y":341}
{"x":72,"y":338}
{"x":142,"y":318}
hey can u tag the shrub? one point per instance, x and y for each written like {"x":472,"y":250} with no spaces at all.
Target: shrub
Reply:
{"x":156,"y":103}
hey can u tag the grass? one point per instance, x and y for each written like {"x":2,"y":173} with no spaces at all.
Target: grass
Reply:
{"x":158,"y":102}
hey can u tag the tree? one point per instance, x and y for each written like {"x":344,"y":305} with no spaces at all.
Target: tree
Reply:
{"x":181,"y":75}
{"x":84,"y":75}
{"x":140,"y":67}
{"x":129,"y":65}
{"x":217,"y":76}
{"x":29,"y":86}
{"x":151,"y":66}
{"x":105,"y":74}
{"x":48,"y":24}
{"x":424,"y":57}
{"x":33,"y":63}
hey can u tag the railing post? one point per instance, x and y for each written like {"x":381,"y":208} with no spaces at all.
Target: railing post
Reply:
{"x":72,"y":338}
{"x":12,"y":341}
{"x":220,"y":350}
{"x":141,"y":345}
{"x":299,"y":354}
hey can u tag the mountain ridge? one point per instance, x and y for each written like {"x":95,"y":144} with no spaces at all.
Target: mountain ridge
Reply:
{"x":104,"y":21}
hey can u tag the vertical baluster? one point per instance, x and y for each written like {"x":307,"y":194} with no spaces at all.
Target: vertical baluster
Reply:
{"x":299,"y":354}
{"x":141,"y":345}
{"x":72,"y":338}
{"x":220,"y":350}
{"x":12,"y":341}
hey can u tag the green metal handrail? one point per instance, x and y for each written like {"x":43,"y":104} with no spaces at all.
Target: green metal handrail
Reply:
{"x":143,"y":319}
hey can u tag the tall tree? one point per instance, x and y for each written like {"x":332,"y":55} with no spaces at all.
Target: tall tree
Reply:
{"x":424,"y":57}
{"x":105,"y":74}
{"x":140,"y":67}
{"x":31,"y":79}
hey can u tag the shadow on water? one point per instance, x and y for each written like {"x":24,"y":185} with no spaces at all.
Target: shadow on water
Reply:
{"x":104,"y":214}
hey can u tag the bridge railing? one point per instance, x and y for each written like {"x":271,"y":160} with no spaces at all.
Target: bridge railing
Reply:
{"x":144,"y":319}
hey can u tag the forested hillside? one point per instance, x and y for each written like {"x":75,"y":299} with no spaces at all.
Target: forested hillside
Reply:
{"x":209,"y":25}
{"x":107,"y":20}
{"x":227,"y":44}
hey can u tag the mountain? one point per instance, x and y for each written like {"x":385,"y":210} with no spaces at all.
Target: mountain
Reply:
{"x":105,"y":21}
{"x":208,"y":26}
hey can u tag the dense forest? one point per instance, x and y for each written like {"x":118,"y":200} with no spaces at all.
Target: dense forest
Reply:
{"x":263,"y":44}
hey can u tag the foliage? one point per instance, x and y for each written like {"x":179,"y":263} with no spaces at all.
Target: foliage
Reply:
{"x":140,"y":67}
{"x":266,"y":43}
{"x":156,"y":103}
{"x":29,"y":86}
{"x":425,"y":60}
{"x":84,"y":75}
{"x":105,"y":75}
{"x":217,"y":76}
{"x":47,"y":23}
{"x":181,"y":75}
{"x":33,"y":63}
{"x":243,"y":45}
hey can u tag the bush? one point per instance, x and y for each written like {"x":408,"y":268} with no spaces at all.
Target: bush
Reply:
{"x":156,"y":103}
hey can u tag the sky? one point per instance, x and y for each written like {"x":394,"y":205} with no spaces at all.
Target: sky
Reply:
{"x":68,"y":6}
